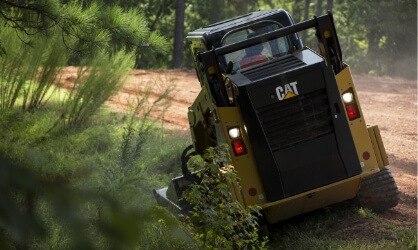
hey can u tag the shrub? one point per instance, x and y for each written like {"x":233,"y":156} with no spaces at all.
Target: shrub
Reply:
{"x":217,"y":220}
{"x":28,"y":72}
{"x":97,"y":79}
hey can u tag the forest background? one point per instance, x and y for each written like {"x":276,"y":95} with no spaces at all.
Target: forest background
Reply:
{"x":377,"y":37}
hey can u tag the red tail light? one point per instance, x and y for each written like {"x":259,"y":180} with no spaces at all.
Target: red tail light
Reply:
{"x":352,"y":111}
{"x":238,"y":147}
{"x":350,"y":103}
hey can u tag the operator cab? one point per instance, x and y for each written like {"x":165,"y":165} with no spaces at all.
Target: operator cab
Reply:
{"x":242,"y":28}
{"x":258,"y":53}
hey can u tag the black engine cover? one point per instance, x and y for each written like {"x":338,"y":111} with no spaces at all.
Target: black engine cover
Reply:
{"x":294,"y":117}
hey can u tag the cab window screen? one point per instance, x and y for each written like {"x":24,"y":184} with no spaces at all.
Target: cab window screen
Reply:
{"x":265,"y":51}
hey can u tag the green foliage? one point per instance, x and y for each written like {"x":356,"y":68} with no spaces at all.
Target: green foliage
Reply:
{"x":376,"y":36}
{"x":166,"y":233}
{"x":217,"y":220}
{"x":27,"y":73}
{"x":44,"y":213}
{"x":97,"y":79}
{"x":54,"y":56}
{"x":24,"y":192}
{"x":371,"y":42}
{"x":17,"y":212}
{"x":60,"y":199}
{"x":84,"y":28}
{"x":37,"y":38}
{"x":124,"y":173}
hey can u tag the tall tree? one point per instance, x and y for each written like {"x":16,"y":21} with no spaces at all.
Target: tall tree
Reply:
{"x":305,"y":17}
{"x":318,"y":7}
{"x":178,"y":44}
{"x":297,"y":11}
{"x":381,"y":36}
{"x":330,"y":4}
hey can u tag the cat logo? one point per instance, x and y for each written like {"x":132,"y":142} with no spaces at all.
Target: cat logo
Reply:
{"x":287,"y":91}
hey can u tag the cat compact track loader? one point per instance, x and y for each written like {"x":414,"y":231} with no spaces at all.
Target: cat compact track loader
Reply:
{"x":291,"y":116}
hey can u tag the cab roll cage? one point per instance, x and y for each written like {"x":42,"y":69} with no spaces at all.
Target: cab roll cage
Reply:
{"x":329,"y":48}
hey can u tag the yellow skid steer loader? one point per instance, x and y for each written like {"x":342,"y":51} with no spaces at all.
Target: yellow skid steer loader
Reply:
{"x":291,"y":116}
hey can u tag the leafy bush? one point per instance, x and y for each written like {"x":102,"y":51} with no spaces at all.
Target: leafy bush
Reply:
{"x":61,"y":201}
{"x":98,"y":78}
{"x":217,"y":220}
{"x":28,"y":72}
{"x":44,"y":214}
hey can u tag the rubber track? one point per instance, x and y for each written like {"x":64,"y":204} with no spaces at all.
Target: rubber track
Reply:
{"x":379,"y":191}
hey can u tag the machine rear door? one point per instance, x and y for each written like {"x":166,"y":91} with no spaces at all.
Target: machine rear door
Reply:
{"x":298,"y":130}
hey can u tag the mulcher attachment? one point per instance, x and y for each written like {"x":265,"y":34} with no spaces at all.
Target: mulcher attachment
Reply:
{"x":170,"y":196}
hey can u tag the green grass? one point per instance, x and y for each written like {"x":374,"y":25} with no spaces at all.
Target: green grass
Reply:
{"x":73,"y":165}
{"x":342,"y":226}
{"x":28,"y":138}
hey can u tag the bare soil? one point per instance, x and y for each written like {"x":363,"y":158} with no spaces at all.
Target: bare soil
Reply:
{"x":391,"y":103}
{"x":388,"y":102}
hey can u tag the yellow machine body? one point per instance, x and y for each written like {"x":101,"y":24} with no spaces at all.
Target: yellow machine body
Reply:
{"x":366,"y":138}
{"x":297,"y":134}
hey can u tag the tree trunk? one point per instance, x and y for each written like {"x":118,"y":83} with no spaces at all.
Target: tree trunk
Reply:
{"x":318,"y":7}
{"x":373,"y":38}
{"x":305,"y":17}
{"x":178,"y":44}
{"x":297,"y":11}
{"x":330,"y":4}
{"x":157,"y":17}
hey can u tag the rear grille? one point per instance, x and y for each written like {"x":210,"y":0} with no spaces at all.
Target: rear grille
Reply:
{"x":281,"y":65}
{"x":296,"y":120}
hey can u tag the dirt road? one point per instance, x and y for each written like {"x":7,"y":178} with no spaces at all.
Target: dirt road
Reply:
{"x":392,"y":104}
{"x":389,"y":102}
